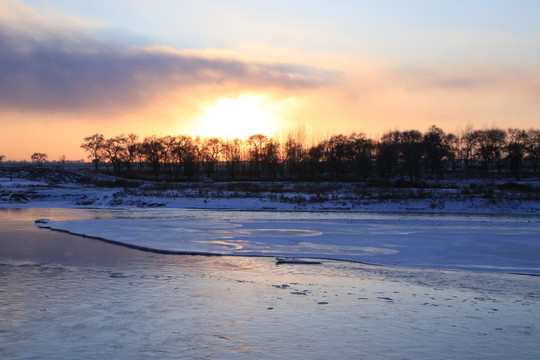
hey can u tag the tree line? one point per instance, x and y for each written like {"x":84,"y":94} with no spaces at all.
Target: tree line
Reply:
{"x":408,"y":153}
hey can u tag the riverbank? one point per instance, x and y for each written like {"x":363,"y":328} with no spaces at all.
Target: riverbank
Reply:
{"x":62,"y":188}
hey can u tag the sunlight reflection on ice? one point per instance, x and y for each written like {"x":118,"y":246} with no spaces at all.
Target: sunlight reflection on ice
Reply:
{"x":277,"y":232}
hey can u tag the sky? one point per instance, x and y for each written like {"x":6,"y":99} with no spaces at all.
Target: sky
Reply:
{"x":73,"y":68}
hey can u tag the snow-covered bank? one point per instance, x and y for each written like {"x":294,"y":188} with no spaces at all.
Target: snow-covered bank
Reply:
{"x":464,"y":196}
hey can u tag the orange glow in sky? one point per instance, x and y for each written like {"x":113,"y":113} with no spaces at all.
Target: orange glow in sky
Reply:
{"x":70,"y":69}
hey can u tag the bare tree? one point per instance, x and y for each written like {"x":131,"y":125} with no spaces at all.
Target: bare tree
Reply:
{"x":489,"y":144}
{"x":167,"y":155}
{"x":337,"y":148}
{"x":39,"y":158}
{"x":94,"y":146}
{"x":533,"y":146}
{"x":497,"y":142}
{"x":256,"y":144}
{"x":131,"y":150}
{"x":412,"y":149}
{"x":468,"y":141}
{"x":115,"y":150}
{"x":210,"y":151}
{"x":400,"y":152}
{"x":315,"y":158}
{"x":294,"y":156}
{"x":184,"y":155}
{"x":361,"y":153}
{"x":452,"y":145}
{"x":344,"y":157}
{"x":232,"y":152}
{"x":516,"y":146}
{"x":271,"y":158}
{"x":2,"y":158}
{"x":436,"y":148}
{"x":153,"y":151}
{"x":389,"y":153}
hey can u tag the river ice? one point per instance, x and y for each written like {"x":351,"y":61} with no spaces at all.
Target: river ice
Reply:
{"x":479,"y":242}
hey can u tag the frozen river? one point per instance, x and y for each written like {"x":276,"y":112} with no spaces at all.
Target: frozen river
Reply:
{"x":64,"y":296}
{"x":442,"y":241}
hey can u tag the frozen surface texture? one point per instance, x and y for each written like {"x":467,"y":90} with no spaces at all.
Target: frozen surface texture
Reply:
{"x":492,"y":243}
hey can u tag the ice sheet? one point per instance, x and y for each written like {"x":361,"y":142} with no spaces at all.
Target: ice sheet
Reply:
{"x":454,"y":242}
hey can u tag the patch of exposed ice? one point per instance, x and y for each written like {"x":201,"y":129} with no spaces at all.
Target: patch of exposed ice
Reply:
{"x":453,"y":242}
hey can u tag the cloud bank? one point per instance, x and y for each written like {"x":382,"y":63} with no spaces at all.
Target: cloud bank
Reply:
{"x":62,"y":68}
{"x":45,"y":68}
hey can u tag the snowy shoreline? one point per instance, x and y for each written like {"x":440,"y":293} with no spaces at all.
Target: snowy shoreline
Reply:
{"x":67,"y":190}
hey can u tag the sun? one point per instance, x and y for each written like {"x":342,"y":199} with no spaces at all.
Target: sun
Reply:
{"x":240,"y":117}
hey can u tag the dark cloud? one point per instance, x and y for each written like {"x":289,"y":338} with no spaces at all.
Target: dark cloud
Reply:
{"x":72,"y":72}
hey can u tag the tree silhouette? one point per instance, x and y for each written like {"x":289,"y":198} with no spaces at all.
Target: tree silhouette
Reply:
{"x":271,"y":158}
{"x":315,"y":156}
{"x":152,"y":148}
{"x":184,"y":155}
{"x":516,"y":146}
{"x":468,"y":142}
{"x":412,"y":150}
{"x":131,"y":150}
{"x":115,"y":149}
{"x":168,"y":153}
{"x":340,"y":157}
{"x":533,"y":146}
{"x":389,"y":153}
{"x":436,"y":146}
{"x":232,"y":153}
{"x":210,"y":151}
{"x":489,"y":144}
{"x":39,"y":158}
{"x":256,"y":144}
{"x":294,"y":156}
{"x":360,"y":152}
{"x":94,"y":146}
{"x":337,"y":153}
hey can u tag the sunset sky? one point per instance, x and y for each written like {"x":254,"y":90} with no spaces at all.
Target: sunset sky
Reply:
{"x":72,"y":68}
